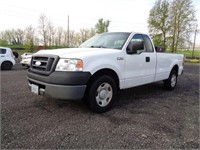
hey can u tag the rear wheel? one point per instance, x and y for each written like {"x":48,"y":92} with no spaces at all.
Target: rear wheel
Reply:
{"x":171,"y":82}
{"x":6,"y":65}
{"x":101,"y":94}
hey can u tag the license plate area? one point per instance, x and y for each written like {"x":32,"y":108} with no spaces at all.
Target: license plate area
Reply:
{"x":35,"y":89}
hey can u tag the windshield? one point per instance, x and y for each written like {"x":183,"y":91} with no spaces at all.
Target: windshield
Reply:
{"x":115,"y":40}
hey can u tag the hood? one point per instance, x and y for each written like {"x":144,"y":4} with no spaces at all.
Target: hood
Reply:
{"x":78,"y":52}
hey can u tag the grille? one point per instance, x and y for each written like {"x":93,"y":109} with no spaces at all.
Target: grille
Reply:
{"x":44,"y":65}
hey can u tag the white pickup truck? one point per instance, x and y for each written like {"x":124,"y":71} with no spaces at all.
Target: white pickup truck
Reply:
{"x":100,"y":67}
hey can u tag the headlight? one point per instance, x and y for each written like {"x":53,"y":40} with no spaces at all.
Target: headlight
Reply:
{"x":69,"y":65}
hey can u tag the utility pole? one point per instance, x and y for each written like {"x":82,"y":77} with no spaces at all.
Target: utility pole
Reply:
{"x":68,"y":32}
{"x":195,"y":33}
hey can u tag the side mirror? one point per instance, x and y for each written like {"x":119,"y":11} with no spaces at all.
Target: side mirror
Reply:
{"x":159,"y":49}
{"x":16,"y":54}
{"x":134,"y":46}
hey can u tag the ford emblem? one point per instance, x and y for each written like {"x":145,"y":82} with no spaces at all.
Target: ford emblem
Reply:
{"x":38,"y":63}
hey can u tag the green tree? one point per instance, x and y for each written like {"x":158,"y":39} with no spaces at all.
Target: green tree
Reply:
{"x":172,"y":23}
{"x":182,"y":18}
{"x":51,"y":31}
{"x":102,"y":26}
{"x":19,"y":36}
{"x":159,"y":22}
{"x":43,"y":28}
{"x":3,"y":39}
{"x":86,"y":33}
{"x":29,"y":38}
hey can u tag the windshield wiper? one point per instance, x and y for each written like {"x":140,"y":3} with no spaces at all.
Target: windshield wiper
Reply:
{"x":98,"y":46}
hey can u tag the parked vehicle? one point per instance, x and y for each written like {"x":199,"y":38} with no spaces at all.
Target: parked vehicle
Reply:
{"x":101,"y":66}
{"x":7,"y":60}
{"x":26,"y":59}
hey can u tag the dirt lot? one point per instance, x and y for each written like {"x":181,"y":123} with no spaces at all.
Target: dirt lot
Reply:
{"x":143,"y":117}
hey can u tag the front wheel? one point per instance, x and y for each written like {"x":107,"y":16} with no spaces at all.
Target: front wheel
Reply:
{"x":101,"y":94}
{"x":171,"y":82}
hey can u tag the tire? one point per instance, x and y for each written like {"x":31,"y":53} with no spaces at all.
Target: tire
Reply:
{"x":101,"y":94}
{"x":171,"y":82}
{"x":6,"y":65}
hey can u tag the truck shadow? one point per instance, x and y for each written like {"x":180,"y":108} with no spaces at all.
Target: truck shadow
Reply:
{"x":134,"y":96}
{"x":139,"y":94}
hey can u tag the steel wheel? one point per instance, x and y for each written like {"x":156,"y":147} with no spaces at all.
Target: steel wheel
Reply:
{"x":173,"y":80}
{"x":104,"y":94}
{"x":101,"y":94}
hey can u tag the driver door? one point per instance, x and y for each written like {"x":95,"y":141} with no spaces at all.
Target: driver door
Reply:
{"x":140,"y":66}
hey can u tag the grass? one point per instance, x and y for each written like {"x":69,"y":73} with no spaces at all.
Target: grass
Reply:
{"x":20,"y":52}
{"x":192,"y":60}
{"x":187,"y":53}
{"x":20,"y":49}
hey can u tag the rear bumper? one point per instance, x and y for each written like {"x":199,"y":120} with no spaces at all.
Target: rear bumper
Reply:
{"x":60,"y":85}
{"x":25,"y":62}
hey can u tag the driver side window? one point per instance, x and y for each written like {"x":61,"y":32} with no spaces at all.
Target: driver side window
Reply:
{"x":138,"y":38}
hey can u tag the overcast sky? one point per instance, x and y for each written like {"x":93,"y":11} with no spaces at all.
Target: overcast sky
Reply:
{"x":125,"y":15}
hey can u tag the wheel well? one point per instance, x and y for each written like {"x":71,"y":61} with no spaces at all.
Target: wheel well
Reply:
{"x":7,"y":61}
{"x":108,"y":72}
{"x":2,"y":64}
{"x":175,"y":68}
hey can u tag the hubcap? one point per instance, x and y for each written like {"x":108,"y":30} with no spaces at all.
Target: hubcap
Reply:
{"x":173,"y":80}
{"x":104,"y":94}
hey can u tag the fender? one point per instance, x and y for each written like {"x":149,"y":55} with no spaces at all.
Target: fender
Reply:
{"x":177,"y":61}
{"x":108,"y":63}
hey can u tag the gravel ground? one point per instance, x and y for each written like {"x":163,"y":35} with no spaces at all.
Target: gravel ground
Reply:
{"x":146,"y":117}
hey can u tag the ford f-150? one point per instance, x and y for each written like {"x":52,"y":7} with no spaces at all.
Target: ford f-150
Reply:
{"x":100,"y":67}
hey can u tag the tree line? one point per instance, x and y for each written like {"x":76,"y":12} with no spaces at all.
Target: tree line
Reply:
{"x":171,"y":23}
{"x":47,"y":35}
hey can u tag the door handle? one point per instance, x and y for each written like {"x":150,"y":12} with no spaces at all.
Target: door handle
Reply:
{"x":147,"y":59}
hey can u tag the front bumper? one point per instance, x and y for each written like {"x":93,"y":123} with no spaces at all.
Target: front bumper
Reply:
{"x":60,"y":85}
